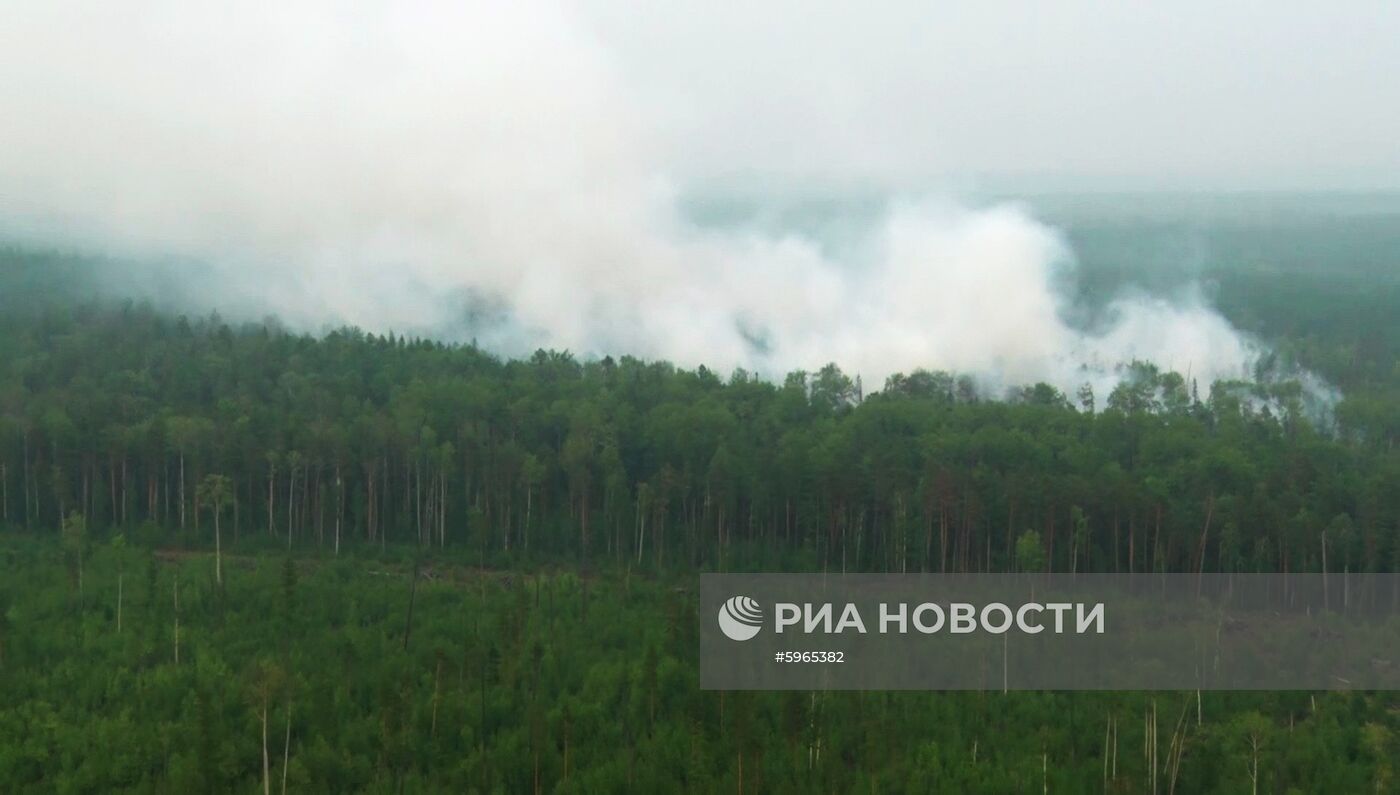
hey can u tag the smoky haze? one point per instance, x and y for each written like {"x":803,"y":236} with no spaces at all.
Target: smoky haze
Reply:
{"x":517,"y":172}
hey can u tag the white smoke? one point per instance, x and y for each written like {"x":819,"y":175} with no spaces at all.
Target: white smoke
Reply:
{"x":389,"y":165}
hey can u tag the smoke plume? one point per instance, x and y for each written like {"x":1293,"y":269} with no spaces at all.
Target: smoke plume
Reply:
{"x":488,"y":170}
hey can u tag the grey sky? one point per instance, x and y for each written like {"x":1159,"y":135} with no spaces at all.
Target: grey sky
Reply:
{"x":1184,"y":94}
{"x":785,"y":95}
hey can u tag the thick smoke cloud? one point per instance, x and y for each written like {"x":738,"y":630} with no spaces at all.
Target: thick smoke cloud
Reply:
{"x":491,"y":170}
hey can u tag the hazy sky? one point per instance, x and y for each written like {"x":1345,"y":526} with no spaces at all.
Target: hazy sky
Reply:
{"x":1183,"y":94}
{"x":390,"y":163}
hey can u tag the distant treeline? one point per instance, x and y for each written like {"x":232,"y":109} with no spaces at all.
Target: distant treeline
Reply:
{"x":121,"y":414}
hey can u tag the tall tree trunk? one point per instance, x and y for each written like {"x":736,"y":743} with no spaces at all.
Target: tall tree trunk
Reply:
{"x":1326,"y":601}
{"x":177,"y":620}
{"x":182,"y":489}
{"x":303,"y":515}
{"x":943,"y":539}
{"x":287,"y":748}
{"x":27,"y":515}
{"x":1205,"y":530}
{"x":1132,"y":539}
{"x":339,"y":506}
{"x":112,"y":485}
{"x":218,"y":547}
{"x":291,"y":501}
{"x":267,"y":767}
{"x":1156,"y":537}
{"x":271,"y":516}
{"x":437,"y":687}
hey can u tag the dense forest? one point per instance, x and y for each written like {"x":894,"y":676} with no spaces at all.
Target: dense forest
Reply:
{"x":132,"y":670}
{"x":239,"y":558}
{"x":166,"y":425}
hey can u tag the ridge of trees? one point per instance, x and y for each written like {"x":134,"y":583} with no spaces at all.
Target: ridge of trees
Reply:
{"x":132,"y":419}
